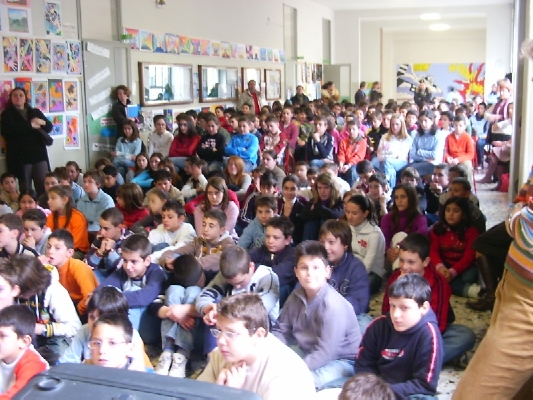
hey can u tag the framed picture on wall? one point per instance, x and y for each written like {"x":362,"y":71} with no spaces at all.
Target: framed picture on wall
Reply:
{"x":273,"y":84}
{"x":251,"y":74}
{"x":163,"y":84}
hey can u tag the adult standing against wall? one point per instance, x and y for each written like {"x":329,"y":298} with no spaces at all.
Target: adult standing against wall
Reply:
{"x":251,"y":96}
{"x":26,"y":132}
{"x":360,"y":95}
{"x":299,"y":98}
{"x":375,"y":95}
{"x":329,"y":92}
{"x":119,"y":110}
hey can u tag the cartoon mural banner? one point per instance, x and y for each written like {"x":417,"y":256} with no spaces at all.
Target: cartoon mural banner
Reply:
{"x":468,"y":79}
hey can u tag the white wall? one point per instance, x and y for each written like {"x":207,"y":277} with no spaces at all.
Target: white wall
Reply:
{"x":365,"y":39}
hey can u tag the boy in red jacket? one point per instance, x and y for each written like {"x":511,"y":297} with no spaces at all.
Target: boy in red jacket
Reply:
{"x":351,"y":151}
{"x":459,"y":147}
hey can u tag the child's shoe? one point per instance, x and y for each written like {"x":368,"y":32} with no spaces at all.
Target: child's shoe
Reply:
{"x":165,"y":360}
{"x":179,"y":362}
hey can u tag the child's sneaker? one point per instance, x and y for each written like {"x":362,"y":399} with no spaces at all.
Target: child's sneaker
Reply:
{"x":165,"y":360}
{"x":179,"y":362}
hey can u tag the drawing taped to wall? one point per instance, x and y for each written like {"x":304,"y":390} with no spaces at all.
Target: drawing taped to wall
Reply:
{"x":26,"y":55}
{"x":11,"y":57}
{"x":59,"y":58}
{"x":55,"y":93}
{"x":53,"y":18}
{"x":39,"y":95}
{"x":43,"y":56}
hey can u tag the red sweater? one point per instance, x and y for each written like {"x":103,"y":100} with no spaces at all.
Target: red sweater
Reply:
{"x":30,"y":364}
{"x":440,"y":294}
{"x":461,"y":148}
{"x":134,"y":216}
{"x":291,"y":132}
{"x":191,"y":205}
{"x":184,"y":146}
{"x":351,"y":153}
{"x":457,"y":255}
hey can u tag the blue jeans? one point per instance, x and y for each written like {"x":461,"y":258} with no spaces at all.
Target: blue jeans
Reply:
{"x":457,"y":340}
{"x":248,"y":166}
{"x":480,"y":149}
{"x":350,"y":176}
{"x":176,"y":294}
{"x":364,"y":320}
{"x":390,"y":168}
{"x":122,"y":165}
{"x":159,"y":246}
{"x":317,"y":163}
{"x":148,"y":325}
{"x":460,"y":284}
{"x":179,"y":162}
{"x":216,"y":166}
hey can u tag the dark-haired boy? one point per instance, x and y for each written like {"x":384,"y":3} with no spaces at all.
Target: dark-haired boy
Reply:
{"x":269,"y":159}
{"x":141,"y":281}
{"x":414,"y":259}
{"x":244,"y":145}
{"x":19,"y":361}
{"x":35,"y":230}
{"x":211,"y":147}
{"x":433,"y":189}
{"x":238,"y":274}
{"x":364,"y":170}
{"x":11,"y":228}
{"x":104,"y":255}
{"x":9,"y":193}
{"x":253,"y":235}
{"x":75,"y":276}
{"x":163,"y":181}
{"x":404,"y":346}
{"x":268,"y":185}
{"x":248,"y":357}
{"x":278,"y":254}
{"x":378,"y":189}
{"x":459,"y":148}
{"x":318,"y":320}
{"x":110,"y":185}
{"x":95,"y":201}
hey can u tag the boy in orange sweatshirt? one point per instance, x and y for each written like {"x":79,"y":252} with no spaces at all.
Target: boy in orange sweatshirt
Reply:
{"x":459,"y":147}
{"x":351,"y":150}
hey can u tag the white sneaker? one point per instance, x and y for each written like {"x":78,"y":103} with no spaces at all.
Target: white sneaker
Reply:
{"x":165,"y":360}
{"x":179,"y":362}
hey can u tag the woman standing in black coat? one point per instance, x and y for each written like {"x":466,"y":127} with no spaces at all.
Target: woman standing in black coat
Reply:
{"x":26,"y":132}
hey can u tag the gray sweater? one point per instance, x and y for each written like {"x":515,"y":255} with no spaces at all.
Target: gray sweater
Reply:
{"x":325,"y":328}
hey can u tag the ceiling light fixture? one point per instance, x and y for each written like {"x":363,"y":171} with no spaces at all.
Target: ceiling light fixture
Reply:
{"x":439,"y":27}
{"x":429,"y":16}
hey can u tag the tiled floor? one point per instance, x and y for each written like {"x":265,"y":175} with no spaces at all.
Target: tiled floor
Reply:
{"x":494,"y":206}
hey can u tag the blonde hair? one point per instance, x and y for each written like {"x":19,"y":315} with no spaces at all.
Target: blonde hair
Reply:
{"x":403,"y":130}
{"x":326,"y":179}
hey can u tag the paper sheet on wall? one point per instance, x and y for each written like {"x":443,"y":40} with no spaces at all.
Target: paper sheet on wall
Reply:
{"x":98,"y":50}
{"x":103,"y":147}
{"x":101,"y":111}
{"x":99,"y":77}
{"x":97,"y":98}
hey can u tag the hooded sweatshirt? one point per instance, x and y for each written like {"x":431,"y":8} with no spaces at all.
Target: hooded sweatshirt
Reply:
{"x":409,"y":361}
{"x":350,"y":279}
{"x":282,"y":263}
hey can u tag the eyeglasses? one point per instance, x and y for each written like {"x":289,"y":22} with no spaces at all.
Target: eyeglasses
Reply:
{"x":96,"y":344}
{"x":228,"y":335}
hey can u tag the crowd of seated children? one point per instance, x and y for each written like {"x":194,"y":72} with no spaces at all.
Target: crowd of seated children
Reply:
{"x":11,"y":230}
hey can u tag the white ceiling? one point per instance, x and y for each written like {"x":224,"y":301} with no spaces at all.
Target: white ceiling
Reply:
{"x":392,"y":4}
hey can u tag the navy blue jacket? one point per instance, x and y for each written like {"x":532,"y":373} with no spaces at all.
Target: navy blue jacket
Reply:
{"x":282,"y":263}
{"x":350,"y":279}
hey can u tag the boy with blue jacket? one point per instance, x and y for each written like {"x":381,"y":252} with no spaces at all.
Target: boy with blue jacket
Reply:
{"x":244,"y":145}
{"x":253,"y":235}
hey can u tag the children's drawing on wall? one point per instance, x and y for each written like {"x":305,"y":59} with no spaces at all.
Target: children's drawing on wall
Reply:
{"x":468,"y":79}
{"x":52,"y":18}
{"x":275,"y":55}
{"x":73,"y":57}
{"x":263,"y":53}
{"x":11,"y":58}
{"x":71,"y":95}
{"x":147,"y":40}
{"x":241,"y":51}
{"x":205,"y":47}
{"x":19,"y":20}
{"x":226,"y":51}
{"x":256,"y":53}
{"x":59,"y":57}
{"x":159,"y":43}
{"x":39,"y":95}
{"x":185,"y":45}
{"x":196,"y":47}
{"x":18,"y":3}
{"x":72,"y":140}
{"x":27,"y":49}
{"x":282,"y":57}
{"x":43,"y":56}
{"x":5,"y":88}
{"x":249,"y":52}
{"x":55,"y":89}
{"x":270,"y":55}
{"x":172,"y":43}
{"x":132,"y":38}
{"x":58,"y":125}
{"x":215,"y":49}
{"x":24,"y":83}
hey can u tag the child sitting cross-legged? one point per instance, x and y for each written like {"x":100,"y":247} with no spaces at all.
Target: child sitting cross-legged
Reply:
{"x":104,"y":255}
{"x":103,"y":301}
{"x":141,"y":281}
{"x":35,"y":230}
{"x":238,"y":274}
{"x":75,"y":276}
{"x":253,"y":235}
{"x":173,"y":231}
{"x":248,"y":357}
{"x":278,"y":254}
{"x":318,"y":320}
{"x":404,"y":346}
{"x":19,"y":361}
{"x":11,"y":229}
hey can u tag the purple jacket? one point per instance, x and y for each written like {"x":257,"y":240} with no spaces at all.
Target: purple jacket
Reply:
{"x":419,"y":225}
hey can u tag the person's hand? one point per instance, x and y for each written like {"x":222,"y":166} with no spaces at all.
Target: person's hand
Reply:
{"x":29,"y":241}
{"x":233,"y":376}
{"x":497,"y":143}
{"x":494,"y":118}
{"x":186,"y":322}
{"x":441,"y":269}
{"x":176,"y":312}
{"x":43,"y":259}
{"x":392,"y":254}
{"x":301,"y":142}
{"x":210,"y":314}
{"x":383,"y":200}
{"x":107,"y":245}
{"x":449,"y":160}
{"x":316,"y":137}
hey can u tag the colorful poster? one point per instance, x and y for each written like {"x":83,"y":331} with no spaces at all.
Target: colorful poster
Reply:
{"x":257,"y":53}
{"x":39,"y":95}
{"x":235,"y":50}
{"x":19,"y":20}
{"x":58,"y":125}
{"x":159,"y":43}
{"x":185,"y":45}
{"x":263,"y":53}
{"x":249,"y":52}
{"x":55,"y":91}
{"x":73,"y":57}
{"x":215,"y":49}
{"x":241,"y":51}
{"x":275,"y":55}
{"x":52,"y":18}
{"x":11,"y":57}
{"x":5,"y":88}
{"x":59,"y":57}
{"x":282,"y":56}
{"x":131,"y":37}
{"x":43,"y":56}
{"x":24,"y":83}
{"x":72,"y":140}
{"x":205,"y":47}
{"x":226,"y":51}
{"x":172,"y":43}
{"x":270,"y":56}
{"x":27,"y":51}
{"x":196,"y":47}
{"x":147,"y":40}
{"x":18,"y":3}
{"x":71,"y":95}
{"x":468,"y":79}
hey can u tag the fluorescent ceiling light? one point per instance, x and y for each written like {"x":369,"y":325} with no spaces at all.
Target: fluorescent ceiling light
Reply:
{"x":429,"y":16}
{"x":439,"y":27}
